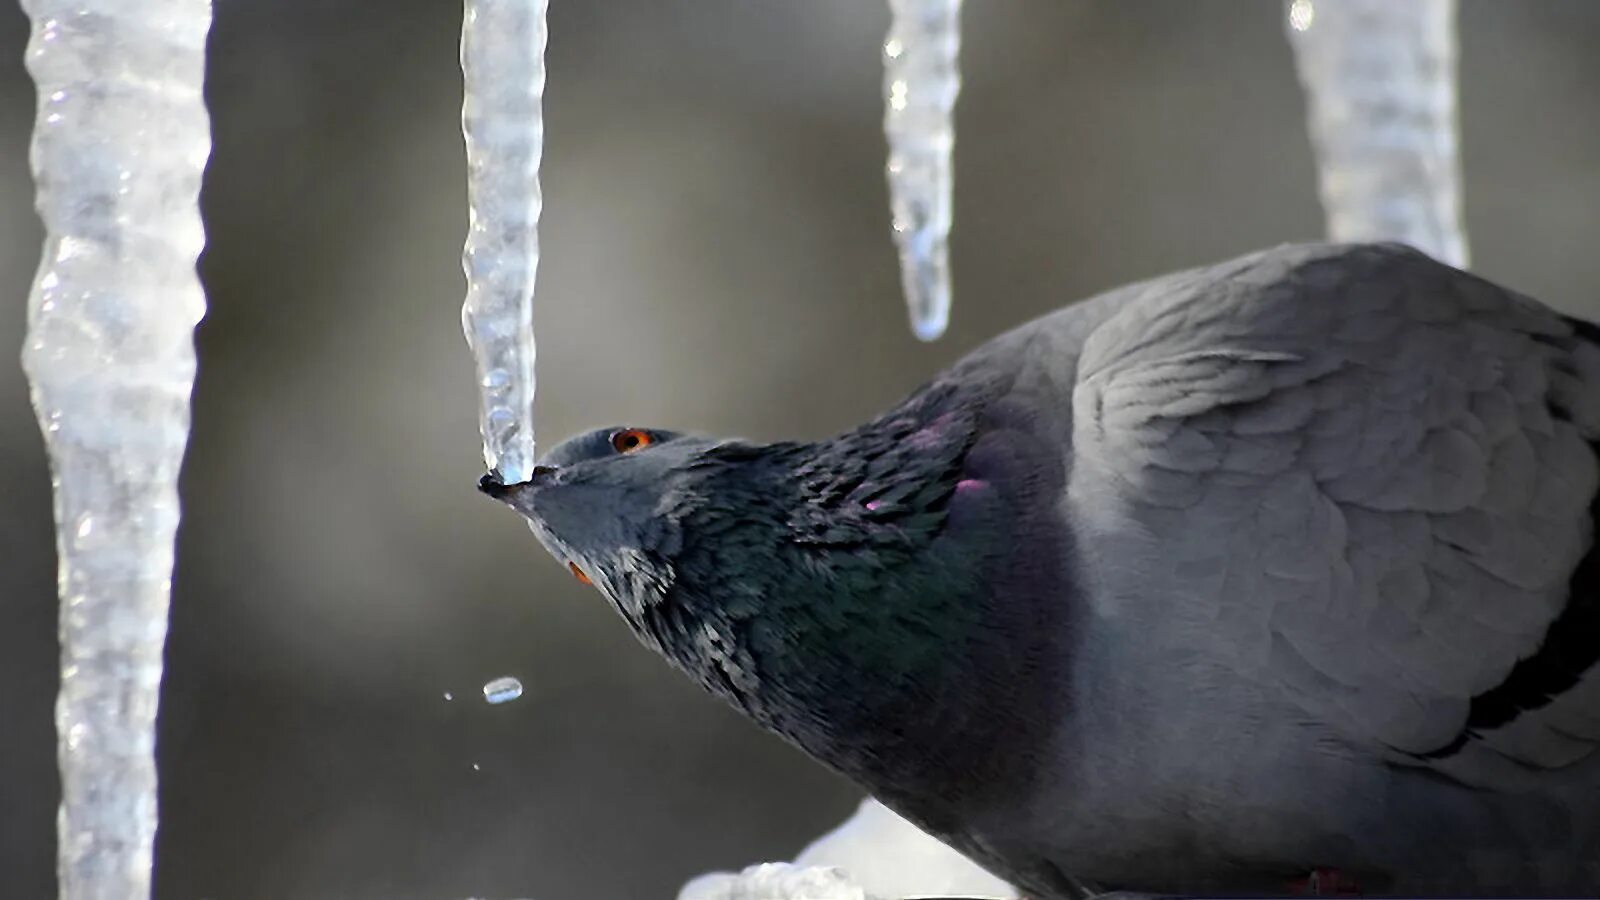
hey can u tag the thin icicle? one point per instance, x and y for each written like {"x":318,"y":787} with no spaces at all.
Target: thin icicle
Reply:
{"x":920,"y":84}
{"x":502,"y":62}
{"x":1380,"y":81}
{"x":119,"y":145}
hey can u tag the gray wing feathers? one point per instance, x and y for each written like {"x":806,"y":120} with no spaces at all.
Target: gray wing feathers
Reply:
{"x":1339,"y":469}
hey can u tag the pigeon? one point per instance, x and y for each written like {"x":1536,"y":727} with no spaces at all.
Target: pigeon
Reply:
{"x":1277,"y":572}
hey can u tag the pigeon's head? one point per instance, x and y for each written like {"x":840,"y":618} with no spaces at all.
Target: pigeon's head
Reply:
{"x":641,"y":512}
{"x":852,"y":593}
{"x":603,"y":504}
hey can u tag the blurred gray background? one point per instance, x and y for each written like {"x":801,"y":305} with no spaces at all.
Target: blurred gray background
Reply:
{"x":716,"y":257}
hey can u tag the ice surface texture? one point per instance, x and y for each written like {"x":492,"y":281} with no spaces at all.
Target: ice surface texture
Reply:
{"x":119,"y":145}
{"x":920,"y":83}
{"x":502,"y":119}
{"x":1380,"y":82}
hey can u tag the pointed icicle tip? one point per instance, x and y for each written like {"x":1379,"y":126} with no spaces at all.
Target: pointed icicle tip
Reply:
{"x":921,"y":79}
{"x":930,"y":324}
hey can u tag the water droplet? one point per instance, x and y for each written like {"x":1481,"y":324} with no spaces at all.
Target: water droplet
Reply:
{"x":502,"y":690}
{"x":449,"y":696}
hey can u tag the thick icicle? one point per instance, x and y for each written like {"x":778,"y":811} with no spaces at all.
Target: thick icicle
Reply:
{"x":119,"y":146}
{"x":920,"y":83}
{"x":502,"y":62}
{"x":1380,"y":81}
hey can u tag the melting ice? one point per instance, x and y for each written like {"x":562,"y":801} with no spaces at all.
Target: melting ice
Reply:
{"x":502,"y":120}
{"x":920,"y":83}
{"x":1380,"y":85}
{"x":119,"y":146}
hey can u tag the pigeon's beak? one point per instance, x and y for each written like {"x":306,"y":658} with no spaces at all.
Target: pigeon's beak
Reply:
{"x":493,"y":485}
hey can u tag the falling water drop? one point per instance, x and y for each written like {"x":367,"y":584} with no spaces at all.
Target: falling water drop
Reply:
{"x":920,"y":84}
{"x":1380,"y":82}
{"x":502,"y":690}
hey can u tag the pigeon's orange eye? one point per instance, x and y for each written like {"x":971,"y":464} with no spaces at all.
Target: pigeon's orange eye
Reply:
{"x":631,"y":439}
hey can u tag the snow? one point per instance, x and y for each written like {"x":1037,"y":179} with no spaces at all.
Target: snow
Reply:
{"x":775,"y":881}
{"x":1380,"y":84}
{"x":920,"y":84}
{"x":873,"y":854}
{"x":119,"y":146}
{"x":889,"y":856}
{"x":502,"y":120}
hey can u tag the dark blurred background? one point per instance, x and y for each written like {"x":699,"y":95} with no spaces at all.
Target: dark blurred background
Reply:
{"x":717,"y":257}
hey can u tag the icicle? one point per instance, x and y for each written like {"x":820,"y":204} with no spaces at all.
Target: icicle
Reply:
{"x":1380,"y":77}
{"x":119,"y":145}
{"x":502,"y":62}
{"x":920,"y":83}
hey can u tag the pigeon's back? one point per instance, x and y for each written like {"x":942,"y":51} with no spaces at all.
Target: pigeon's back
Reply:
{"x":1332,"y":515}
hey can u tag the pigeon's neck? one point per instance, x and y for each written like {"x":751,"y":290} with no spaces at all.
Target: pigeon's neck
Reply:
{"x":888,"y":600}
